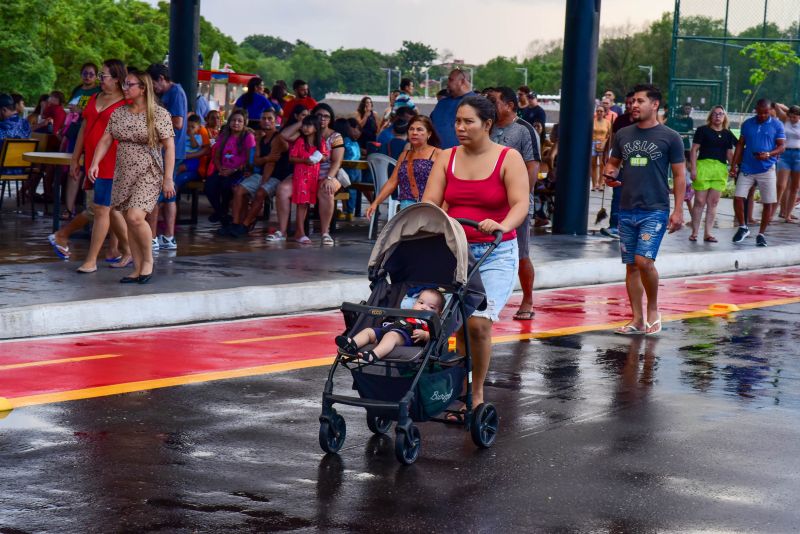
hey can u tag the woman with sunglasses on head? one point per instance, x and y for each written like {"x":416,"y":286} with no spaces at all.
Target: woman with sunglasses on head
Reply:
{"x":143,"y":129}
{"x":710,"y":155}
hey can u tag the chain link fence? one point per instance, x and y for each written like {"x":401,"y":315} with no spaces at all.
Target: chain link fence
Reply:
{"x":707,"y":65}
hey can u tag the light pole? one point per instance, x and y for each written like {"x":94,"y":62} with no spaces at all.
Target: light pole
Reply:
{"x":427,"y":80}
{"x":727,"y":70}
{"x":523,"y":70}
{"x":388,"y":80}
{"x":649,"y":70}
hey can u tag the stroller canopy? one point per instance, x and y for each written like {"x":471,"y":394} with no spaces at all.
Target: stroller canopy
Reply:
{"x":421,"y":222}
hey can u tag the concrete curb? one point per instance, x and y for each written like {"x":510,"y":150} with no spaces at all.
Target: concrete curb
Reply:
{"x":179,"y":308}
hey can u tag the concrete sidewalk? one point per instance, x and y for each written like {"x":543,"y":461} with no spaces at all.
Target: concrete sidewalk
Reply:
{"x":212,"y":278}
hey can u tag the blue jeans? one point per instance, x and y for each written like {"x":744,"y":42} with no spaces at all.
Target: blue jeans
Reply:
{"x":640,"y":233}
{"x":499,"y":274}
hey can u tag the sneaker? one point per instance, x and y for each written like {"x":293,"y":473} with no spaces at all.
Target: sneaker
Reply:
{"x":610,"y":232}
{"x":761,"y":241}
{"x":276,"y":236}
{"x":741,"y":233}
{"x":167,"y":243}
{"x":154,"y":244}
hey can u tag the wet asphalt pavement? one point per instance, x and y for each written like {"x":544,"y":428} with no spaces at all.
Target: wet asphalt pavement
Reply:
{"x":695,"y":430}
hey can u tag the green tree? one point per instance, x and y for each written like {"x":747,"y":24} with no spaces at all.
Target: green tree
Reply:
{"x":414,"y":56}
{"x":358,"y":70}
{"x":498,"y":72}
{"x":313,"y":66}
{"x":270,"y":46}
{"x":770,"y":58}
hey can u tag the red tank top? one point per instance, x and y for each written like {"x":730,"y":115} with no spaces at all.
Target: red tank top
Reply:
{"x":94,"y":127}
{"x":477,"y":199}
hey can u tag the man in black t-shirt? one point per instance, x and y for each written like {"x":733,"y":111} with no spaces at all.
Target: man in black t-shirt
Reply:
{"x":649,"y":150}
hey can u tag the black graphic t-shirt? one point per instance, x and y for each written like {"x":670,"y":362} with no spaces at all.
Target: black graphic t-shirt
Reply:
{"x":646,"y":154}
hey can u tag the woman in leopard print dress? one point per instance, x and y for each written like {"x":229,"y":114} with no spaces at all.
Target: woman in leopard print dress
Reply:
{"x":143,"y":129}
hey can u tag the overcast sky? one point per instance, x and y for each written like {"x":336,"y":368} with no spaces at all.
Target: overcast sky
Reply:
{"x":474,"y":30}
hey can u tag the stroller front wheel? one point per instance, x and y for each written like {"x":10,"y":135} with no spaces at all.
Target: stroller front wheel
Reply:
{"x":407,"y":445}
{"x":378,"y":424}
{"x":484,"y":424}
{"x":332,"y":433}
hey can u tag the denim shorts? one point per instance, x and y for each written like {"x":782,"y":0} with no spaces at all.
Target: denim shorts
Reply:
{"x":253,"y":182}
{"x":640,"y":233}
{"x":102,"y":191}
{"x":499,"y":275}
{"x":789,"y":160}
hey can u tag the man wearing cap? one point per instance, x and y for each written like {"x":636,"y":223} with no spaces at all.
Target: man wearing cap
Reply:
{"x":12,"y":126}
{"x":529,"y":109}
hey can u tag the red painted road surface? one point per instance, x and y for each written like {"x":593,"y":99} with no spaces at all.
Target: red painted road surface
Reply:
{"x":125,"y":357}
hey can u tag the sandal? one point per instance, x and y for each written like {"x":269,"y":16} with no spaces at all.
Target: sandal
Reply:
{"x":122,"y":263}
{"x":526,"y":315}
{"x":62,"y":251}
{"x":276,"y":236}
{"x":630,"y":330}
{"x":347,"y":345}
{"x":113,"y":260}
{"x":327,"y":240}
{"x":368,"y":356}
{"x":657,"y":323}
{"x":302,"y":240}
{"x":693,"y":237}
{"x":456,"y":417}
{"x":710,"y":239}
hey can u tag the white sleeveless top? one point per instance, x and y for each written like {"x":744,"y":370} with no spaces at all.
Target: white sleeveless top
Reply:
{"x":792,"y":134}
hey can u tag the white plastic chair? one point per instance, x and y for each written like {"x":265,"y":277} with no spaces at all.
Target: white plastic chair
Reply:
{"x":379,"y":166}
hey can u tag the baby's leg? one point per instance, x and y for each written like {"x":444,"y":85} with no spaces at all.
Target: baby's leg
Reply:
{"x":365,"y":337}
{"x":390,"y":340}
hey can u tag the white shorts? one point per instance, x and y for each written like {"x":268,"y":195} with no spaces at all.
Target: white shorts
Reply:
{"x":766,"y":182}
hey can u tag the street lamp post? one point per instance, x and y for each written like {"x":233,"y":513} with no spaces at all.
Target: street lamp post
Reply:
{"x":649,"y":70}
{"x":388,"y":80}
{"x":523,"y":70}
{"x":727,"y":70}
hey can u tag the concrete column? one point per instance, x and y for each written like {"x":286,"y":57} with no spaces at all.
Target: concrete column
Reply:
{"x":184,"y":37}
{"x":578,"y":81}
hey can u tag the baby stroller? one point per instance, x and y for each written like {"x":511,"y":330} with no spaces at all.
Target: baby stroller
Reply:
{"x":421,"y":247}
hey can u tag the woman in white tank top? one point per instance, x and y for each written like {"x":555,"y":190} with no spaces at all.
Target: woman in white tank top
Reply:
{"x":789,"y":161}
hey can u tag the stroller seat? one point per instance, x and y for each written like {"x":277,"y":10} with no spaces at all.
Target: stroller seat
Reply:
{"x":401,"y":354}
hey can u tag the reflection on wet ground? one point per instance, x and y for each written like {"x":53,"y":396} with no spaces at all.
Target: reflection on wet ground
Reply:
{"x":693,"y":430}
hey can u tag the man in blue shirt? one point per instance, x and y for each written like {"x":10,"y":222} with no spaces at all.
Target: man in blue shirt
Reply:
{"x":444,"y":114}
{"x":761,"y":141}
{"x":173,"y":98}
{"x":403,"y":100}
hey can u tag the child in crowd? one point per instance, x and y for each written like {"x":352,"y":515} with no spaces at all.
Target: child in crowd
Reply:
{"x":231,"y":157}
{"x":352,"y":151}
{"x":194,"y":144}
{"x":306,"y":154}
{"x":402,"y":332}
{"x":212,"y":125}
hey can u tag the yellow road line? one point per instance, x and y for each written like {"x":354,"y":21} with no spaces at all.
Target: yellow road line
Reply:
{"x":54,"y":362}
{"x":144,"y":385}
{"x":130,"y":387}
{"x":271,"y":338}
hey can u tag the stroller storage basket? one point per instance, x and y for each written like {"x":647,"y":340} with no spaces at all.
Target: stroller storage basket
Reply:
{"x":436,"y":389}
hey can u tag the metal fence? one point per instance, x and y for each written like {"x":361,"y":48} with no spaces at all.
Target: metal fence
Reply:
{"x":707,"y":67}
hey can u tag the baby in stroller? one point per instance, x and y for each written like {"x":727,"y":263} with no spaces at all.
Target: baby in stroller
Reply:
{"x":398,"y":332}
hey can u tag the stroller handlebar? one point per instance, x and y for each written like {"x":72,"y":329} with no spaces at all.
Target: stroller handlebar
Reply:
{"x":498,"y":234}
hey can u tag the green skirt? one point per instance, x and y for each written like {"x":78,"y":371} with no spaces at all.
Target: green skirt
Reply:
{"x":711,"y":174}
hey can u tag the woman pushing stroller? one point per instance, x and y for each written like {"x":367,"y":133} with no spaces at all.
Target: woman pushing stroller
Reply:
{"x":400,"y":332}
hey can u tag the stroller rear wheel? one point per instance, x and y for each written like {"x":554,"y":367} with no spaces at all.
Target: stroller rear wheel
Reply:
{"x":332,"y":433}
{"x":483,"y":427}
{"x":378,"y":424}
{"x":407,"y":445}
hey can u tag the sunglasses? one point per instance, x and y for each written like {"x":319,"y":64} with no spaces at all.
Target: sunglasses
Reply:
{"x":126,"y":85}
{"x":88,"y":74}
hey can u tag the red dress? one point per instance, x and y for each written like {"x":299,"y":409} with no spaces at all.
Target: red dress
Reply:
{"x":94,"y":126}
{"x":306,"y":177}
